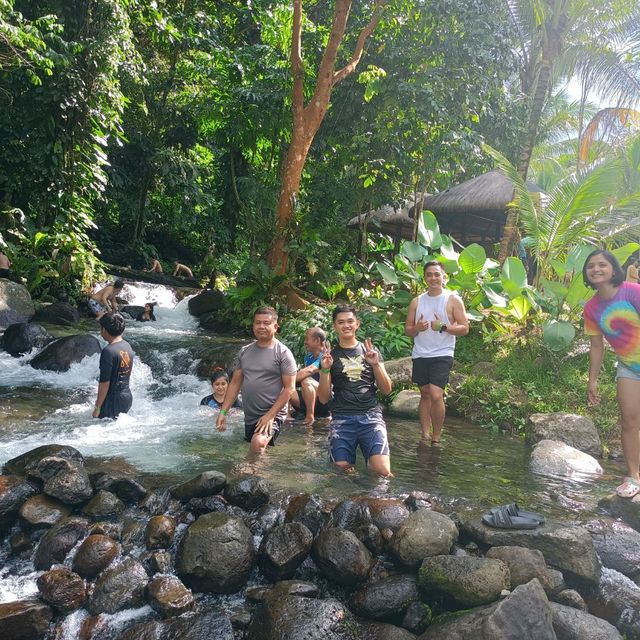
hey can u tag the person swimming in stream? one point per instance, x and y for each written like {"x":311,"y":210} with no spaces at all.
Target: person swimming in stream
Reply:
{"x":219,"y":386}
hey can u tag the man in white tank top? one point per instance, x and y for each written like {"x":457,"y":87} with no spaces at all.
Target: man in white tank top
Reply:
{"x":434,"y":320}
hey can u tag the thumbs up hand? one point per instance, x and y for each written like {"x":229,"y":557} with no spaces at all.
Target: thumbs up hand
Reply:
{"x":422,"y":324}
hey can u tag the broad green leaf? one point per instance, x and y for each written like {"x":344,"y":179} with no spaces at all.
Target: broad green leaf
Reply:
{"x":413,"y":251}
{"x":553,"y":288}
{"x":39,"y":238}
{"x":495,"y":298}
{"x":402,"y":297}
{"x":519,"y":307}
{"x":577,"y":256}
{"x":558,"y":334}
{"x":447,"y":250}
{"x":623,"y":253}
{"x":429,"y":230}
{"x":514,"y":270}
{"x":474,"y":315}
{"x":578,"y":292}
{"x":472,"y":258}
{"x":387,"y":273}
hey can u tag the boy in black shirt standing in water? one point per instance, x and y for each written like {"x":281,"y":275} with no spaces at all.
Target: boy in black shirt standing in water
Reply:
{"x":356,"y":371}
{"x":116,"y":362}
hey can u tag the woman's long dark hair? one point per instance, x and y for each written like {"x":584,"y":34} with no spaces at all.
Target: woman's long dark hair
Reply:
{"x":618,"y":276}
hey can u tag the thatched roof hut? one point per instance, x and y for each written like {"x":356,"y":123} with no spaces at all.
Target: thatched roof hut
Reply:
{"x":473,"y":211}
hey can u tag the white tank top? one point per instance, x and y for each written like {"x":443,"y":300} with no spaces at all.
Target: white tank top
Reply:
{"x":430,"y":343}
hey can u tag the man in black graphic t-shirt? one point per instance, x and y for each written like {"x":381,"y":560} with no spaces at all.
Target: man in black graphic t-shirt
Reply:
{"x":355,"y":370}
{"x":116,"y":362}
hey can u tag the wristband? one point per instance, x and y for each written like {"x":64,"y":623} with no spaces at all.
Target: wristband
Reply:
{"x":223,"y":412}
{"x":442,"y":328}
{"x":96,"y":407}
{"x":325,"y":370}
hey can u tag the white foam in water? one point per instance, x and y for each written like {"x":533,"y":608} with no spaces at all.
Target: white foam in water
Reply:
{"x":165,"y":408}
{"x":17,"y":587}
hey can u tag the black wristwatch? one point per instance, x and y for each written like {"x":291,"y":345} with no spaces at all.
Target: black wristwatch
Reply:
{"x":442,"y":328}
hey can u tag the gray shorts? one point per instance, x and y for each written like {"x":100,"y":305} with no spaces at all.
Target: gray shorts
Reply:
{"x":95,"y":306}
{"x":624,"y":372}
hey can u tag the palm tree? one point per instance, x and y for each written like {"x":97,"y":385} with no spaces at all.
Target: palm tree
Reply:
{"x":560,"y":38}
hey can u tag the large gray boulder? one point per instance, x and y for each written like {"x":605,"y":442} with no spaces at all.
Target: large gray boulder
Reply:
{"x":62,"y":353}
{"x":424,"y":533}
{"x":205,"y":302}
{"x":577,"y":431}
{"x":17,"y":298}
{"x":571,"y":624}
{"x":405,"y":404}
{"x":399,"y":370}
{"x":341,"y":557}
{"x":9,"y":317}
{"x":216,"y":554}
{"x":569,"y":549}
{"x":58,"y":313}
{"x":466,"y":580}
{"x":247,"y":492}
{"x":121,"y":587}
{"x":21,"y":337}
{"x":557,"y":459}
{"x":618,"y":546}
{"x":523,"y":615}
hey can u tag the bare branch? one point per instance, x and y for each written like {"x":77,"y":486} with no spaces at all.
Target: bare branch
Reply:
{"x":297,"y":66}
{"x":340,"y":75}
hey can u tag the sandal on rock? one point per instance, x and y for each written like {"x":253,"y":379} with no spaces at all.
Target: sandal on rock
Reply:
{"x":500,"y":518}
{"x":514,"y":510}
{"x":628,"y":489}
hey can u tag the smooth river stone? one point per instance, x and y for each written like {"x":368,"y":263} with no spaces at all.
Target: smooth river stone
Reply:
{"x":63,"y":589}
{"x":42,"y":511}
{"x":94,"y":555}
{"x":160,"y":531}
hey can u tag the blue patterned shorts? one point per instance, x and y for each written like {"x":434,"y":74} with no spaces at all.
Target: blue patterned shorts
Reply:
{"x":365,"y":430}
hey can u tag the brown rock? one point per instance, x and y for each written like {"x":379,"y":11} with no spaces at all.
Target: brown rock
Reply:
{"x":62,"y":589}
{"x":160,"y":531}
{"x":169,"y":597}
{"x":42,"y":511}
{"x":94,"y":555}
{"x":24,"y":620}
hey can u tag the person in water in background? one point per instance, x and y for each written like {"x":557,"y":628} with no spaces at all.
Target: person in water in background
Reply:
{"x":614,"y":314}
{"x":266,"y":373}
{"x":155,"y":267}
{"x":116,"y":363}
{"x":632,"y":272}
{"x":182,"y":270}
{"x":219,"y":386}
{"x":5,"y":266}
{"x":105,"y":299}
{"x":147,"y":314}
{"x":308,"y":377}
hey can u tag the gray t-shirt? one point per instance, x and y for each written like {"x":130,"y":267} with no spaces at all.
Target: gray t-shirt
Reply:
{"x":263,"y":368}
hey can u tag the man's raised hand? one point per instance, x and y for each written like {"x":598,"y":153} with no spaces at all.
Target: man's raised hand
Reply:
{"x":422,"y":324}
{"x":371,"y":354}
{"x":327,"y":359}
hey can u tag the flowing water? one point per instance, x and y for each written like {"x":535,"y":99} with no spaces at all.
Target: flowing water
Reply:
{"x":167,"y":436}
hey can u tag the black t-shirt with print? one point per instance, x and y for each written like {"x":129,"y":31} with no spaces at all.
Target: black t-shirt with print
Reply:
{"x":116,"y":362}
{"x":353,"y":380}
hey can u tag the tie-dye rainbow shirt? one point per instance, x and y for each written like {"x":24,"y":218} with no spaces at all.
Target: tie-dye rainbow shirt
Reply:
{"x":618,"y":320}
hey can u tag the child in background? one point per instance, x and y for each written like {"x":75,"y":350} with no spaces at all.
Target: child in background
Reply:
{"x":219,"y":385}
{"x":147,"y":314}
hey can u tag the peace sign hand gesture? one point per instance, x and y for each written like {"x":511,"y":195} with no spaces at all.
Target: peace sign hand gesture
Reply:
{"x":327,"y":360}
{"x":371,"y":354}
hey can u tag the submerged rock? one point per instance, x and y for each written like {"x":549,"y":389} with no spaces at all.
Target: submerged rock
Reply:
{"x":341,"y":557}
{"x":284,"y":549}
{"x":63,"y":589}
{"x":468,"y":581}
{"x":200,"y":626}
{"x":62,"y":353}
{"x":21,"y":337}
{"x":307,"y":509}
{"x":24,"y":620}
{"x":424,"y":533}
{"x":618,"y":546}
{"x":576,"y":431}
{"x":216,"y":554}
{"x":387,"y":513}
{"x":623,"y":508}
{"x":247,"y":492}
{"x":206,"y":484}
{"x":557,"y":459}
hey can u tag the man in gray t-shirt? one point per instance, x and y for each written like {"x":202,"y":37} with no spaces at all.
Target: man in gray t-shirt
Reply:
{"x":266,"y":374}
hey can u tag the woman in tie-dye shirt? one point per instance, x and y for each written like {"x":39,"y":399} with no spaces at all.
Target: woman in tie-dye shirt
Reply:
{"x":614,"y":314}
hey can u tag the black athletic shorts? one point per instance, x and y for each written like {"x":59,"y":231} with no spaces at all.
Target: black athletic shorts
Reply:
{"x":320,"y":410}
{"x":249,"y":430}
{"x":432,"y":371}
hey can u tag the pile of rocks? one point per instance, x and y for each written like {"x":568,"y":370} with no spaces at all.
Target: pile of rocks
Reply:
{"x":307,"y":568}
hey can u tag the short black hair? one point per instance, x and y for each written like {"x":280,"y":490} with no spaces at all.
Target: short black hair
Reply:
{"x":113,"y":323}
{"x":218,"y":373}
{"x":343,"y":308}
{"x":118,"y":284}
{"x":266,"y":311}
{"x":618,"y":276}
{"x":433,"y":263}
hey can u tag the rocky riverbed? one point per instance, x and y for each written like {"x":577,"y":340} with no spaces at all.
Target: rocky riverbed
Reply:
{"x":228,"y":558}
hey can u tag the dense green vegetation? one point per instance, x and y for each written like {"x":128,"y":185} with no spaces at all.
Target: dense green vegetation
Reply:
{"x":167,"y":128}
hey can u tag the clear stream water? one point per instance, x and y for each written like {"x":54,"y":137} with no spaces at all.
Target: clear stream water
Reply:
{"x":167,"y":436}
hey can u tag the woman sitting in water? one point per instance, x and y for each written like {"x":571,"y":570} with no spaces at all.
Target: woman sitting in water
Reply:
{"x":614,"y":313}
{"x":219,"y":385}
{"x":147,"y":314}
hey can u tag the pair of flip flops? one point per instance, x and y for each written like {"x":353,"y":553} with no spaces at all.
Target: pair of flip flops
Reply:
{"x":510,"y":516}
